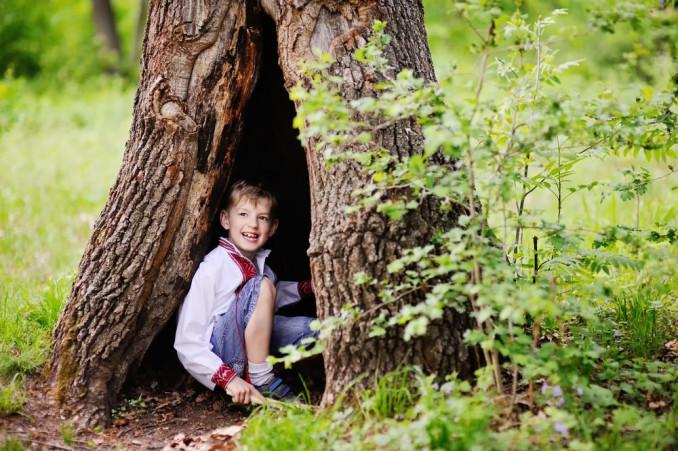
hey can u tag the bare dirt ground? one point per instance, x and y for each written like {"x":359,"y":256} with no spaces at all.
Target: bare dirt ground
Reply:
{"x":148,"y":418}
{"x":158,"y":410}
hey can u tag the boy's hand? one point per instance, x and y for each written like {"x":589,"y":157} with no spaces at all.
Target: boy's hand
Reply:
{"x":240,"y":391}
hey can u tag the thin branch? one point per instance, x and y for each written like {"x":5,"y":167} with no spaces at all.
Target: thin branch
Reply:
{"x":475,"y":30}
{"x":538,"y":75}
{"x":483,"y":69}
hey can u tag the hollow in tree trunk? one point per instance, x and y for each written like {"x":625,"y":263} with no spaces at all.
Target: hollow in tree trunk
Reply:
{"x":200,"y":64}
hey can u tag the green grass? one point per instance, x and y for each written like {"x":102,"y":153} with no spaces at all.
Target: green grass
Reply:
{"x":67,"y":434}
{"x":642,"y":318}
{"x":59,"y":160}
{"x":12,"y":397}
{"x":59,"y":153}
{"x":27,"y":315}
{"x":391,"y":396}
{"x":11,"y":444}
{"x":297,"y":428}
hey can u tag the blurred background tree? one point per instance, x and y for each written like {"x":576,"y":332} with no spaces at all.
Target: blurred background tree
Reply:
{"x":60,"y":41}
{"x":75,"y":41}
{"x":106,"y":27}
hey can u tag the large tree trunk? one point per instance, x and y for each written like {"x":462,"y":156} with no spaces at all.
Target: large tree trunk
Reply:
{"x":198,"y":70}
{"x":343,"y":245}
{"x":199,"y":67}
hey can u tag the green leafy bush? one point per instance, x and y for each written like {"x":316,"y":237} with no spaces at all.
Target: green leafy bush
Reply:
{"x":568,"y":302}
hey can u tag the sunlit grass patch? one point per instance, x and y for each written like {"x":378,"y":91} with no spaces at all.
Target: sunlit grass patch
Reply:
{"x":10,"y":444}
{"x":27,"y":316}
{"x":12,"y":397}
{"x":345,"y":425}
{"x":445,"y":416}
{"x":58,"y":163}
{"x":391,"y":396}
{"x":59,"y":154}
{"x":643,"y":321}
{"x":46,"y":308}
{"x":293,"y":429}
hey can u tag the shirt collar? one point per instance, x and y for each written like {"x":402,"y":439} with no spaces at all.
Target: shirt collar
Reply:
{"x":260,"y":257}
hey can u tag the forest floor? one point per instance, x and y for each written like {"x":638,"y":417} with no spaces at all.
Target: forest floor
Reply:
{"x":159,"y":409}
{"x":193,"y":418}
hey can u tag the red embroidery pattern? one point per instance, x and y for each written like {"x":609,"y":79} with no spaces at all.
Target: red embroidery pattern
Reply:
{"x":223,"y":376}
{"x":305,"y":288}
{"x":246,"y":267}
{"x":248,"y":272}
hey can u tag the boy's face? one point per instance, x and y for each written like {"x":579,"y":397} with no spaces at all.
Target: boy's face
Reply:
{"x":249,"y":225}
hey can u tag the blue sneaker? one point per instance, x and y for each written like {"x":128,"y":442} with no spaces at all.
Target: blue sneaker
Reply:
{"x":277,"y":389}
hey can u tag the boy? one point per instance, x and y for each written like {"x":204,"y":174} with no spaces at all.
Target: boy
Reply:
{"x":227,"y":323}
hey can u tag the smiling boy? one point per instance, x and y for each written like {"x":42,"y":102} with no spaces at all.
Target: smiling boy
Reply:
{"x":227,"y":322}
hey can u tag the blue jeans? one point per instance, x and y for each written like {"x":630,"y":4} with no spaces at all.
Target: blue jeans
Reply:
{"x":228,"y":336}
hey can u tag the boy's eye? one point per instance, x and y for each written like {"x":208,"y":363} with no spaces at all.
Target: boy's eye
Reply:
{"x":263,"y":218}
{"x":242,"y":213}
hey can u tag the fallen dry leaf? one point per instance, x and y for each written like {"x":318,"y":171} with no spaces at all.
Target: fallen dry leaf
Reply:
{"x":120,"y":422}
{"x":656,"y":405}
{"x":227,"y":432}
{"x":215,"y":440}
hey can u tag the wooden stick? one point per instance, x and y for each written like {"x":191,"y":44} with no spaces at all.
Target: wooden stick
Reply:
{"x":258,"y":398}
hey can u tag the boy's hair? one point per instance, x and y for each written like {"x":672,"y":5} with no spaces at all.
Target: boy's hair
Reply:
{"x":252,"y":191}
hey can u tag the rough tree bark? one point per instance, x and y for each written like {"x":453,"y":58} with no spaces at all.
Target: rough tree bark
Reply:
{"x":199,"y":67}
{"x":342,"y":245}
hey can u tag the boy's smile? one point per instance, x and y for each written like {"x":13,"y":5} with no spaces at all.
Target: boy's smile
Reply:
{"x":249,"y":224}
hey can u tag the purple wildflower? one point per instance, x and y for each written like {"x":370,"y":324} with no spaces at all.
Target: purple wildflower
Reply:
{"x":561,"y":428}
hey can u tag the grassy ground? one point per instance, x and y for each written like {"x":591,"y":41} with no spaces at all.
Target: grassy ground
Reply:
{"x":59,"y":154}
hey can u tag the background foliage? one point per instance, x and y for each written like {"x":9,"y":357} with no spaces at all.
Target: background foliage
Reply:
{"x":560,"y":255}
{"x":55,"y":41}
